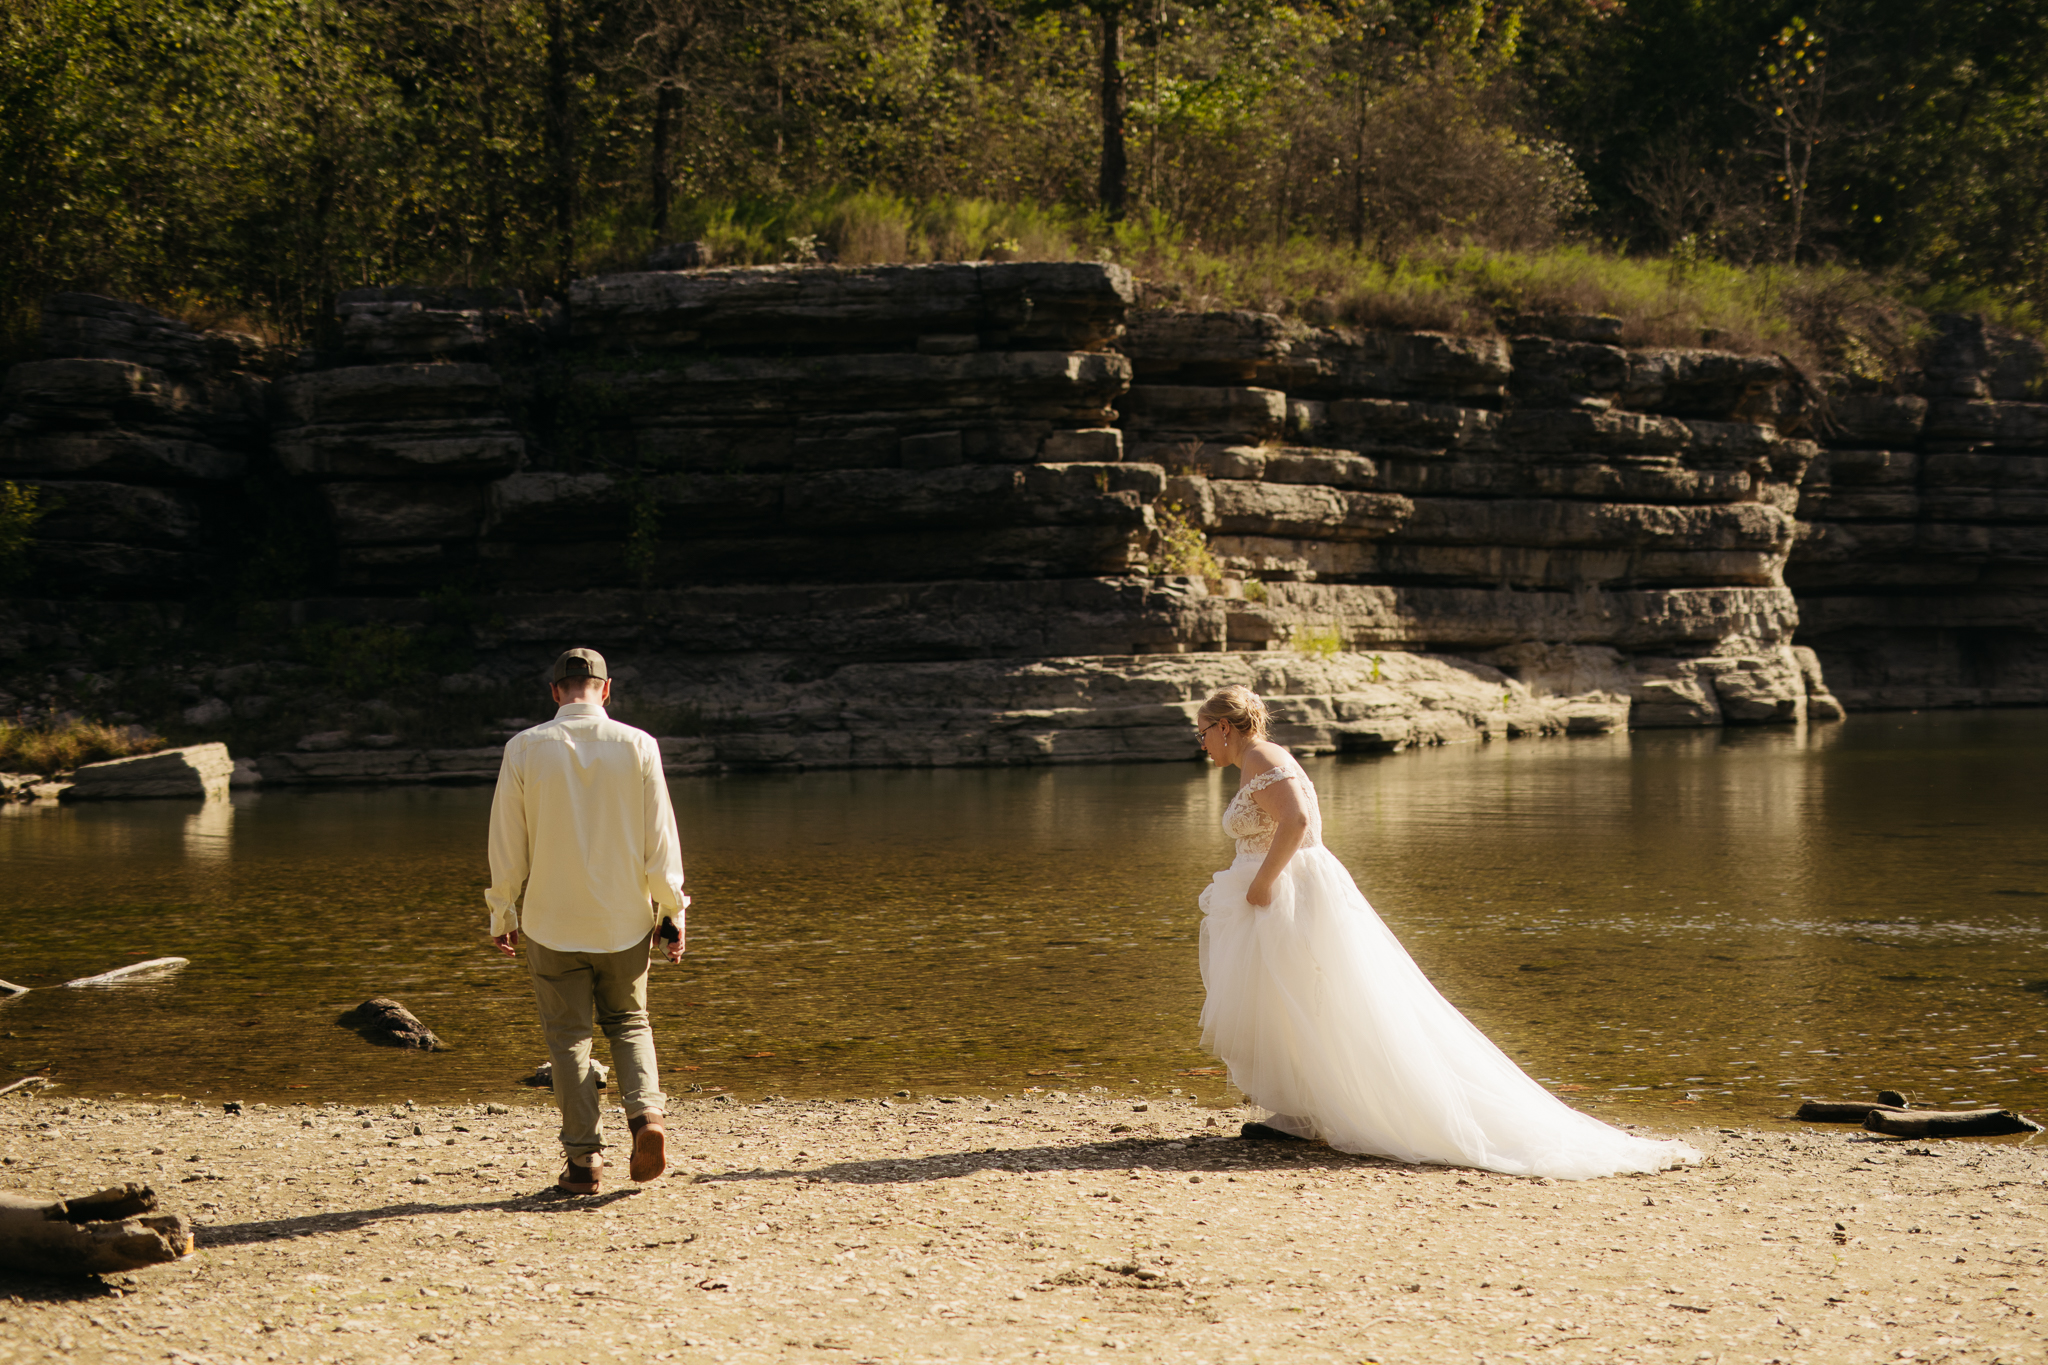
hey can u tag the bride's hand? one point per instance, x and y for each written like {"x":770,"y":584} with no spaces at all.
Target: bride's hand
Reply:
{"x":1261,"y":896}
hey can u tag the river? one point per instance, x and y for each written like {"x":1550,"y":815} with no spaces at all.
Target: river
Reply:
{"x":1668,"y":927}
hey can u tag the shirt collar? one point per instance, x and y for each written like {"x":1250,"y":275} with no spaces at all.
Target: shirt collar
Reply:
{"x":578,"y":709}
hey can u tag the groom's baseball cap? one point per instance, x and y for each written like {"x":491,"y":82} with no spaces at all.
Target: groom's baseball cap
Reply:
{"x":580,"y":663}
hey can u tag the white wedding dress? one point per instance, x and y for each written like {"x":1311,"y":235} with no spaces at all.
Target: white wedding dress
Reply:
{"x":1322,"y":1017}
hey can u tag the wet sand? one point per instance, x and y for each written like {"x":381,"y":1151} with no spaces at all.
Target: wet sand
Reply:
{"x":1039,"y":1228}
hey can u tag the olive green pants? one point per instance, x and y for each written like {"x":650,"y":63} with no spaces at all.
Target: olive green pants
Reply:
{"x":576,"y":990}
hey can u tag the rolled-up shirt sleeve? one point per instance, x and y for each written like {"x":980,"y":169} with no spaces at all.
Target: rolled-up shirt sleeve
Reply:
{"x":664,"y":847}
{"x":511,"y":855}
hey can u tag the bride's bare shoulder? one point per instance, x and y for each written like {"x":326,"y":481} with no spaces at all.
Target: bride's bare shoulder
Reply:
{"x":1262,"y":758}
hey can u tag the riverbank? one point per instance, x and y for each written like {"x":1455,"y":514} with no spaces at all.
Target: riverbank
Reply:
{"x":1063,"y":1227}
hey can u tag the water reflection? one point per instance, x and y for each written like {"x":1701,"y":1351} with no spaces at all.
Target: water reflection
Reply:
{"x":210,"y":831}
{"x":1665,"y":924}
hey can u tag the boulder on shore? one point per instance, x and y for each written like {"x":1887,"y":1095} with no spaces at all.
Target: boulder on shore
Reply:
{"x":198,"y":770}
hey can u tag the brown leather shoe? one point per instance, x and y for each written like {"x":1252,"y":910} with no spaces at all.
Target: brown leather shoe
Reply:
{"x":650,"y":1146}
{"x":576,"y":1178}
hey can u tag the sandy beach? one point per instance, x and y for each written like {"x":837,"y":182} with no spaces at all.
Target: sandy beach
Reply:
{"x":1044,"y":1227}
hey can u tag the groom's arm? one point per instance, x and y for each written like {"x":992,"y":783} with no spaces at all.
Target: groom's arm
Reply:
{"x":663,"y":871}
{"x":511,"y":858}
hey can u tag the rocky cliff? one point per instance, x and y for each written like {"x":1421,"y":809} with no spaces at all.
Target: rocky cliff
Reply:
{"x":945,"y":513}
{"x":1923,"y":579}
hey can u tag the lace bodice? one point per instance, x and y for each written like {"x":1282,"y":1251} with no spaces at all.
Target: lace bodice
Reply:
{"x":1252,"y":827}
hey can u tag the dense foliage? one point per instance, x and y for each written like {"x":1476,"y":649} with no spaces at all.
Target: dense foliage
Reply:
{"x":245,"y":158}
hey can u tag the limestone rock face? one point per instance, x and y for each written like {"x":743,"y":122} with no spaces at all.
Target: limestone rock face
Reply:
{"x":91,"y":392}
{"x":387,"y":324}
{"x":1922,"y":565}
{"x":389,"y":393}
{"x":401,"y":454}
{"x":1337,"y":362}
{"x":86,"y":325}
{"x":135,"y":434}
{"x":104,"y":537}
{"x":124,"y":456}
{"x":200,"y":770}
{"x":1222,"y":348}
{"x":808,"y":470}
{"x":1006,"y":306}
{"x":426,"y":449}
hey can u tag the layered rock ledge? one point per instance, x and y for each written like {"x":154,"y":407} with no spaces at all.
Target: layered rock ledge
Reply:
{"x":791,"y":497}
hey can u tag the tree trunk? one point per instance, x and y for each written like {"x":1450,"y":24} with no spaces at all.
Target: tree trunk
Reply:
{"x":325,"y":273}
{"x":667,"y":100}
{"x":561,"y":142}
{"x":1114,"y":183}
{"x":487,"y":127}
{"x":1358,"y":170}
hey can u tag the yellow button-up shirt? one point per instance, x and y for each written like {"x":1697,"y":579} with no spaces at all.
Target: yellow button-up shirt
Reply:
{"x":582,"y":825}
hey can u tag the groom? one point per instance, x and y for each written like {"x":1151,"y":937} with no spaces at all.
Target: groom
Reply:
{"x":581,"y":827}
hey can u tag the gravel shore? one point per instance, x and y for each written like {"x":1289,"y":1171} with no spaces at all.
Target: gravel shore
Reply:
{"x":1055,"y":1227}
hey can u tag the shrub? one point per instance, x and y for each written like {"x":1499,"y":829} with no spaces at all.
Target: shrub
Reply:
{"x":1322,"y":642}
{"x":60,"y":746}
{"x":365,"y":660}
{"x":1182,"y":548}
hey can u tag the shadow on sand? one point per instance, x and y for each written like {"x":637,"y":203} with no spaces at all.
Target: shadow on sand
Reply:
{"x":1196,"y":1156}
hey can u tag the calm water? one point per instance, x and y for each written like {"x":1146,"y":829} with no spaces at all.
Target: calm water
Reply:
{"x":1671,"y":926}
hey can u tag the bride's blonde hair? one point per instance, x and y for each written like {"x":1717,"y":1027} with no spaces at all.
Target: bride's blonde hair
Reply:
{"x":1240,"y":706}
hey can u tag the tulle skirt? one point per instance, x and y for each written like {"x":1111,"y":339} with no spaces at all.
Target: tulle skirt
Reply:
{"x":1320,"y":1014}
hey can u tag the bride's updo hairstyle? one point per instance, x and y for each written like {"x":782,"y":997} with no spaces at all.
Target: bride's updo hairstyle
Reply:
{"x":1240,"y":706}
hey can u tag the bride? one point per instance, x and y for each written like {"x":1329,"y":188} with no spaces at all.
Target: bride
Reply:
{"x":1323,"y":1018}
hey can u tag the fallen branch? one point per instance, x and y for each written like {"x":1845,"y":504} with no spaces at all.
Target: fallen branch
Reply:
{"x":13,"y":1086}
{"x":1946,"y":1123}
{"x":95,"y":1234}
{"x":155,"y":964}
{"x":10,"y":989}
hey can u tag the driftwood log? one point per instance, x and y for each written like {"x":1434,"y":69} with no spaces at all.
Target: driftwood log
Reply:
{"x":1947,"y":1123}
{"x":1851,"y":1111}
{"x":155,"y":964}
{"x":24,"y":1083}
{"x":1893,"y":1115}
{"x":385,"y":1022}
{"x":107,"y":1233}
{"x":8,"y":988}
{"x":1844,"y":1111}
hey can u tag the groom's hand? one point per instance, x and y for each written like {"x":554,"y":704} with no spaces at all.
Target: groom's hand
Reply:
{"x":508,"y":943}
{"x":668,"y":935}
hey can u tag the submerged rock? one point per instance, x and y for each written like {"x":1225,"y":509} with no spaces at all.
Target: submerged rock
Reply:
{"x":385,"y":1022}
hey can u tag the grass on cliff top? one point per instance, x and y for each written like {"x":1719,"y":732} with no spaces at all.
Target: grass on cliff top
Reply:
{"x":1822,"y":317}
{"x":60,"y":747}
